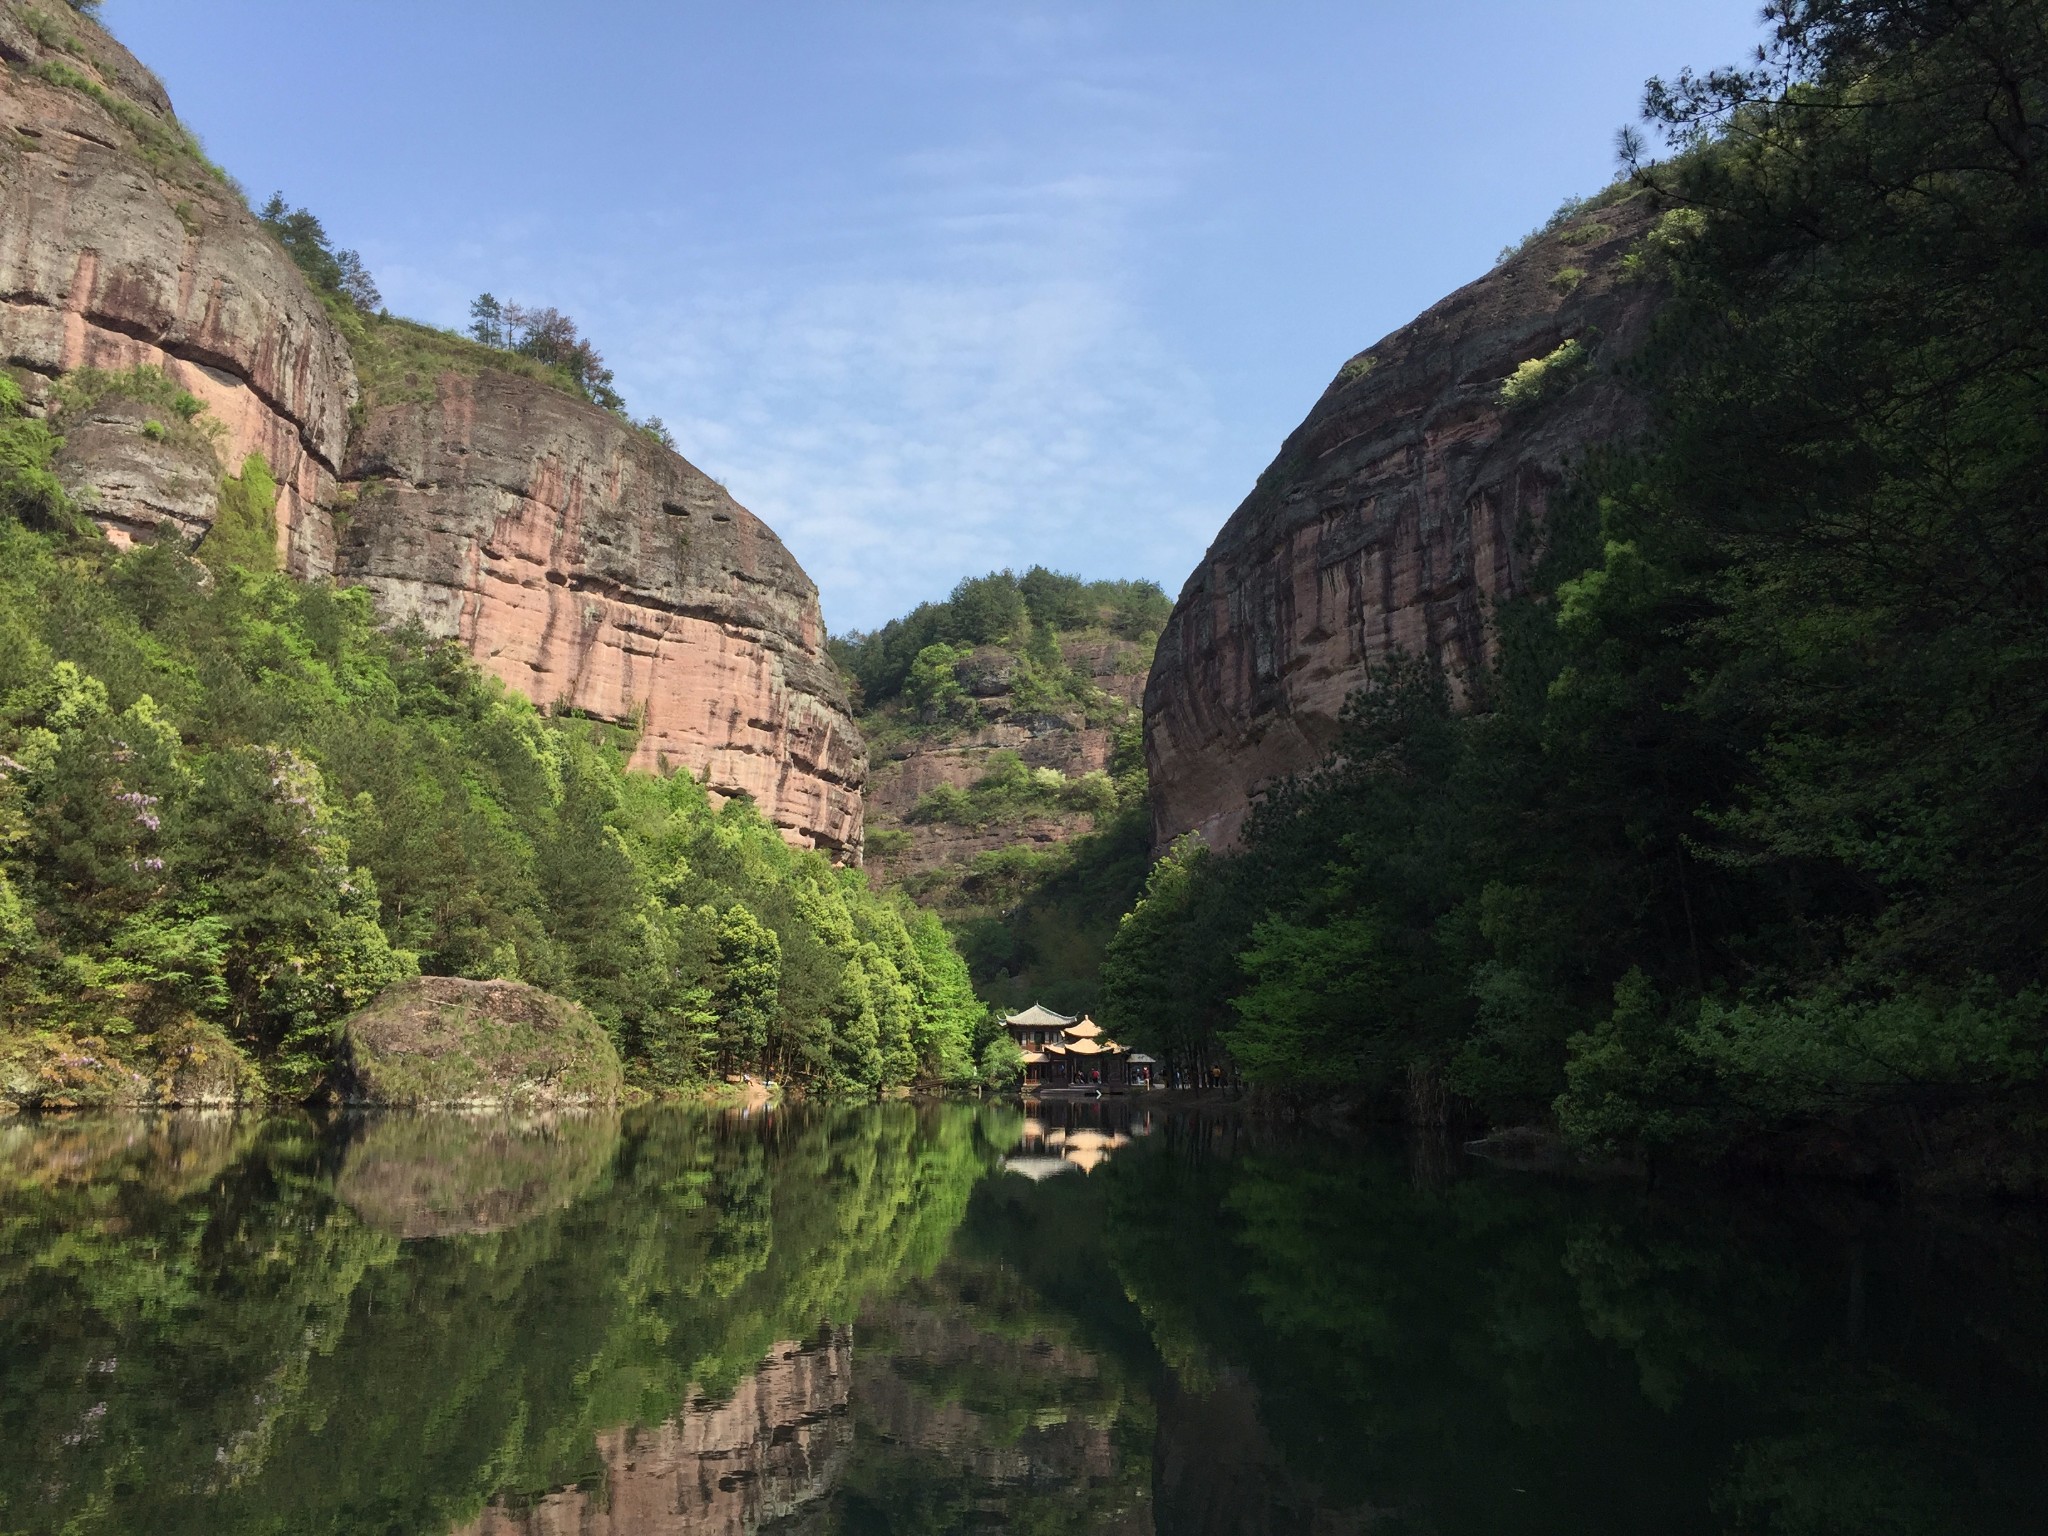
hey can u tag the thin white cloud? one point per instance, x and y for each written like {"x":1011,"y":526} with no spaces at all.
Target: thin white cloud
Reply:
{"x":995,"y":398}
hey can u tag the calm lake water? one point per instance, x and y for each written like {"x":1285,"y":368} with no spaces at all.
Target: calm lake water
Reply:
{"x":941,"y":1318}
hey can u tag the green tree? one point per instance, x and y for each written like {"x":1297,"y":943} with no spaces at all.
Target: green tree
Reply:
{"x":746,"y":978}
{"x":932,"y":688}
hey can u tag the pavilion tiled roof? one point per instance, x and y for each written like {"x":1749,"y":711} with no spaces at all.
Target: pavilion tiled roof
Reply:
{"x":1040,"y":1016}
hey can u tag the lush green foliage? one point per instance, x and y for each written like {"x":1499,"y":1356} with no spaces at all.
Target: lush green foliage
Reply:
{"x":1008,"y":789}
{"x":244,"y":531}
{"x":1034,"y":920}
{"x":1000,"y":608}
{"x":1748,"y":830}
{"x":228,"y":800}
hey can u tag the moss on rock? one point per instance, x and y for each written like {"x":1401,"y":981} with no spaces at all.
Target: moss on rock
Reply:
{"x":444,"y":1040}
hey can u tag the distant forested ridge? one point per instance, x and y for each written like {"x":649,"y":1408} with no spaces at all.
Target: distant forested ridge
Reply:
{"x":1006,"y":788}
{"x":1741,"y":845}
{"x":232,"y":809}
{"x":999,"y":608}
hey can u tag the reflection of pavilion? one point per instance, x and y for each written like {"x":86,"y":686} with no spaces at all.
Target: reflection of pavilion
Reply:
{"x":1045,"y":1150}
{"x":1062,"y":1053}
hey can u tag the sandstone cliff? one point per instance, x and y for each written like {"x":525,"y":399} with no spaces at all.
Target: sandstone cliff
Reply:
{"x":580,"y":561}
{"x":909,"y":765}
{"x":121,"y":245}
{"x":1390,"y":519}
{"x":589,"y":567}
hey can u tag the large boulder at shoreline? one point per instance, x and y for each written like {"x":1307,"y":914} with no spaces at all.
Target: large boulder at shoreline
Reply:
{"x":445,"y":1040}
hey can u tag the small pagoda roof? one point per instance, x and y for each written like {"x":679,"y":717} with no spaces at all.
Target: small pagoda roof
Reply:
{"x":1040,"y":1016}
{"x":1140,"y":1059}
{"x":1034,"y":1058}
{"x":1087,"y":1029}
{"x":1083,"y":1048}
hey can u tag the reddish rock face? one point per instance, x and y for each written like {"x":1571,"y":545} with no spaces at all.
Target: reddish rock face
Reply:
{"x":586,"y":565}
{"x":581,"y":562}
{"x":1390,"y":520}
{"x":108,"y":261}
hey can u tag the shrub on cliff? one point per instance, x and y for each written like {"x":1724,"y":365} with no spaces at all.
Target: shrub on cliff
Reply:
{"x":244,"y":531}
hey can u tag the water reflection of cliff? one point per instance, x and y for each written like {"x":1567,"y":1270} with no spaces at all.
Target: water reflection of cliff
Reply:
{"x":769,"y":1452}
{"x":263,"y":1325}
{"x":586,"y":1329}
{"x":978,"y":1404}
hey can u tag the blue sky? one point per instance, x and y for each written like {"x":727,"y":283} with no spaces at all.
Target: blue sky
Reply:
{"x":937,"y":288}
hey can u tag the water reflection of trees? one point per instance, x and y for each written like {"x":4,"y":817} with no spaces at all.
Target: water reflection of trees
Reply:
{"x":674,"y":1322}
{"x":1345,"y":1341}
{"x":198,"y":1334}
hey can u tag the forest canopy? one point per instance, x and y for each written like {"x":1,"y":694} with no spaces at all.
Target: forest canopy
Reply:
{"x":1001,"y":608}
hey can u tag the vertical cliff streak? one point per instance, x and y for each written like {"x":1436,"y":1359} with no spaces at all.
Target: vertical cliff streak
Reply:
{"x":1389,"y":520}
{"x":774,"y":1449}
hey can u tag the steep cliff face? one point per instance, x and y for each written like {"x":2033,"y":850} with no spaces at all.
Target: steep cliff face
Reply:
{"x":120,"y":246}
{"x":587,"y":566}
{"x":1390,"y":519}
{"x":581,"y":562}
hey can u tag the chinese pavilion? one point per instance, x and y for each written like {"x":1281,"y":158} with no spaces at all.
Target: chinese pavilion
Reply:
{"x":1063,"y":1052}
